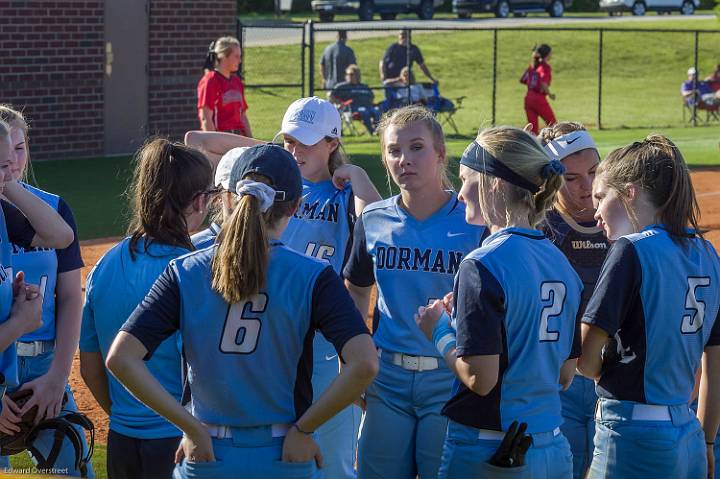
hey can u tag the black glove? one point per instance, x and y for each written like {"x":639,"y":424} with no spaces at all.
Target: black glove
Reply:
{"x":513,"y":447}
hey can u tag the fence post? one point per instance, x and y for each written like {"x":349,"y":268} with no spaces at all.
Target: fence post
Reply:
{"x":240,"y":35}
{"x":303,"y":46}
{"x":600,"y":77}
{"x":695,"y":82}
{"x":311,"y":54}
{"x":494,"y":74}
{"x":408,"y":57}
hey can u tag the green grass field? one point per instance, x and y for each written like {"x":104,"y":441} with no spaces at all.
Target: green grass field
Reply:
{"x":642,"y":77}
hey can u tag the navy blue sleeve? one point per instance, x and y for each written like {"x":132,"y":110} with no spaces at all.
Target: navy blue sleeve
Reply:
{"x":20,"y":231}
{"x":69,"y":259}
{"x":416,"y":55}
{"x":334,"y":312}
{"x":617,"y":288}
{"x":158,"y":315}
{"x":479,"y":307}
{"x":359,"y":265}
{"x":714,"y":339}
{"x":576,"y":348}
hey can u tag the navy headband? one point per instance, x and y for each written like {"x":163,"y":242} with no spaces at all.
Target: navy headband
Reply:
{"x":479,"y":159}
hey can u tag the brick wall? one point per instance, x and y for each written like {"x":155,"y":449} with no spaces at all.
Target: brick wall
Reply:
{"x":51,"y":64}
{"x":180,"y":32}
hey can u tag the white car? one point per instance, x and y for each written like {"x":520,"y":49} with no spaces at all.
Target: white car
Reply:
{"x":639,"y":7}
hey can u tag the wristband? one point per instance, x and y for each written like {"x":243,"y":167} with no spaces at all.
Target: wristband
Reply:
{"x":307,"y":433}
{"x":443,"y":335}
{"x":709,"y":443}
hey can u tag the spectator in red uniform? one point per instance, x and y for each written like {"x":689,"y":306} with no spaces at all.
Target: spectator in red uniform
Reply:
{"x":538,"y":77}
{"x":221,"y":92}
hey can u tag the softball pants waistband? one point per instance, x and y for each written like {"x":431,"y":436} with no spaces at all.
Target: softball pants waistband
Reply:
{"x":615,"y":410}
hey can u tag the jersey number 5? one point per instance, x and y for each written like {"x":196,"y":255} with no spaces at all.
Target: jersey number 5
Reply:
{"x":241,"y":333}
{"x":693,"y":322}
{"x":554,"y":292}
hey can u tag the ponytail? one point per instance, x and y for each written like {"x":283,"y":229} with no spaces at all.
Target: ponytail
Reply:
{"x":540,"y":53}
{"x":210,"y":58}
{"x":239,"y":267}
{"x":656,"y":166}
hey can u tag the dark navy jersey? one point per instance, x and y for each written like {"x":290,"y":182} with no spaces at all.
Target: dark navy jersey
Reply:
{"x":249,"y":363}
{"x":657,"y":300}
{"x":42,"y":265}
{"x":413,"y":262}
{"x":14,"y":229}
{"x":585,"y":246}
{"x":518,"y":297}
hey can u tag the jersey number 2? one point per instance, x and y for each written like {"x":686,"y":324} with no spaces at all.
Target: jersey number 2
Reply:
{"x":240,"y":334}
{"x":554,"y":292}
{"x":693,"y":322}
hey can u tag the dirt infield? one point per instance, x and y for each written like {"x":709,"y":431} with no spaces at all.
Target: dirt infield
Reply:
{"x":707,"y":186}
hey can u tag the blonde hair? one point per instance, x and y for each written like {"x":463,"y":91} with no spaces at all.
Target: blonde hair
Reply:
{"x":411,"y":75}
{"x":522,"y":153}
{"x":224,"y":46}
{"x":353,"y":69}
{"x":15,"y":118}
{"x":658,"y":168}
{"x":239,"y":267}
{"x":557,"y":130}
{"x":404,"y":116}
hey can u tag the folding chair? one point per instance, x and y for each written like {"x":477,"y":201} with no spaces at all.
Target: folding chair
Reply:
{"x":712,"y":112}
{"x":443,"y":108}
{"x":347,"y":117}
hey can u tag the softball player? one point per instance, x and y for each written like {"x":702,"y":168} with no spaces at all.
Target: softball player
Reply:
{"x":411,"y":246}
{"x":652,"y":316}
{"x":249,"y":354}
{"x":516,"y":300}
{"x":571,"y":227}
{"x":27,"y":221}
{"x":538,"y":77}
{"x":333,"y":193}
{"x":169,"y":199}
{"x":45,"y":355}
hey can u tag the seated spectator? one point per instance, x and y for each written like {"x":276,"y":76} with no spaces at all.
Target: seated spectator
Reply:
{"x":401,"y":84}
{"x":700,"y":92}
{"x":361,"y":95}
{"x":714,"y":77}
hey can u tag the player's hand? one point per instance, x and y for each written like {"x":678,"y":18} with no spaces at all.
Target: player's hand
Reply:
{"x":448,"y":303}
{"x":48,"y":392}
{"x":427,"y":317}
{"x":710,"y":461}
{"x":300,"y":447}
{"x":9,"y":416}
{"x":196,"y":447}
{"x":344,"y":174}
{"x":27,"y":305}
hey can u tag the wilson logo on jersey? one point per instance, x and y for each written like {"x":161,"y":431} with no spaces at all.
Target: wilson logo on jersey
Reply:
{"x":587,"y":244}
{"x":415,"y":259}
{"x":19,"y":249}
{"x":316,"y":211}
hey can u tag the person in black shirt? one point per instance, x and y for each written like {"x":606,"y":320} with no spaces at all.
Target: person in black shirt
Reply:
{"x":395,"y":59}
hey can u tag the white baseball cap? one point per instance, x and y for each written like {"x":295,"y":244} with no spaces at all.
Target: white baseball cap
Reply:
{"x":311,"y":119}
{"x":692,"y":71}
{"x":224,"y":168}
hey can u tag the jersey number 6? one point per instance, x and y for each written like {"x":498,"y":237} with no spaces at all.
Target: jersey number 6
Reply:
{"x":693,"y":322}
{"x":555,"y":293}
{"x":240,"y":333}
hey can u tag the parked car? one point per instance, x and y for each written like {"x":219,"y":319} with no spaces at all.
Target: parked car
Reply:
{"x":503,"y":8}
{"x":639,"y":7}
{"x":366,"y":9}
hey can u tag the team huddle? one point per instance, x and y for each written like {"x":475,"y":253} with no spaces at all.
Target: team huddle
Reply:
{"x":556,"y":317}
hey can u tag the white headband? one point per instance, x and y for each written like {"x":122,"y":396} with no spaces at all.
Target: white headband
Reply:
{"x":264,"y":193}
{"x":565,"y":145}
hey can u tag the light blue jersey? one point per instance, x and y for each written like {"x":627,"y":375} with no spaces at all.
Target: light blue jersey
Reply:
{"x":658,"y":300}
{"x":115,"y":287}
{"x":42,"y":266}
{"x":249,"y":363}
{"x":322,"y":225}
{"x":517,"y":296}
{"x":8,"y":358}
{"x":413,"y":262}
{"x":207,"y":237}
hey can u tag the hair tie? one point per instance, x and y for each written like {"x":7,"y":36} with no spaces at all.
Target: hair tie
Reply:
{"x":264,"y":193}
{"x":554,"y":167}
